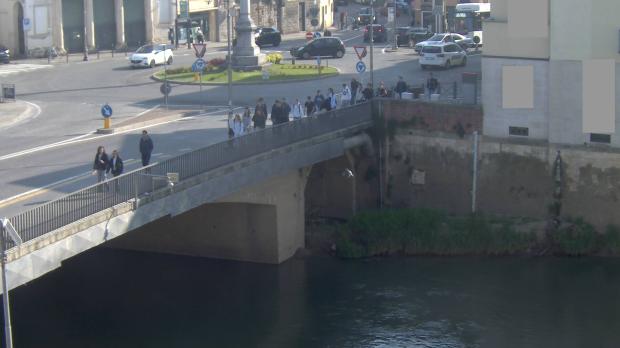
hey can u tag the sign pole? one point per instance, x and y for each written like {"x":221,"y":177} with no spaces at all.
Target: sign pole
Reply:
{"x":372,"y":39}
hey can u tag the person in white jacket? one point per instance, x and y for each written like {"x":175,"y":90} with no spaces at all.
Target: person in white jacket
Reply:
{"x":236,"y":125}
{"x":298,"y":110}
{"x":332,"y":99}
{"x":346,"y":95}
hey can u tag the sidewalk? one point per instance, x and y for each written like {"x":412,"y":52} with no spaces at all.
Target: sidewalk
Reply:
{"x":13,"y":112}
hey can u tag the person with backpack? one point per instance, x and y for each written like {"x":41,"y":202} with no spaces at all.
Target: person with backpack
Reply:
{"x":276,"y":113}
{"x":318,"y":100}
{"x":346,"y":95}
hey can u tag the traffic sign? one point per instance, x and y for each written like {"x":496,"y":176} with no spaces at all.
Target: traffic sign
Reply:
{"x":309,"y":36}
{"x":165,"y":88}
{"x":200,"y":64}
{"x":360,"y":51}
{"x":360,"y":67}
{"x":106,"y":111}
{"x":200,"y":49}
{"x":317,"y":34}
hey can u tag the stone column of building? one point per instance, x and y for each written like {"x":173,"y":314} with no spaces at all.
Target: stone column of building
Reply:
{"x":148,"y":19}
{"x":119,"y":18}
{"x":57,"y":29}
{"x":246,"y":53}
{"x":89,"y":23}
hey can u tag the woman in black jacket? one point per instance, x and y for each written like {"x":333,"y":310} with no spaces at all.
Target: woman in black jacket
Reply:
{"x":101,"y":164}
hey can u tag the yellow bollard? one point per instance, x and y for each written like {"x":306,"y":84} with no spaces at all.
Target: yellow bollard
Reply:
{"x":195,"y":76}
{"x":106,"y":123}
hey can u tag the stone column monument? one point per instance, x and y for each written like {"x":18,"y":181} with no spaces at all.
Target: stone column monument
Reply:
{"x":246,"y":55}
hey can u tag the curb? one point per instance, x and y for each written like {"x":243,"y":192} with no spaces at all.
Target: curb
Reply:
{"x":30,"y":110}
{"x":139,"y":125}
{"x":339,"y":72}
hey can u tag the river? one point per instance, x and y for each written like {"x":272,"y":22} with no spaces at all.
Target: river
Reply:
{"x":114,"y":298}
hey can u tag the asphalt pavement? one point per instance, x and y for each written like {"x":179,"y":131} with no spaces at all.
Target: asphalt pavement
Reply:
{"x":49,"y":152}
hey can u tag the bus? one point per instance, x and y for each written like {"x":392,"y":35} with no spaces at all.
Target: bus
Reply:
{"x":468,"y":20}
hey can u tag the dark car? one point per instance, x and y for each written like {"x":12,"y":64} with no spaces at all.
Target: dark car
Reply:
{"x":5,"y":54}
{"x":409,"y":36}
{"x":321,"y":47}
{"x":267,"y":36}
{"x":379,"y":33}
{"x":365,"y":16}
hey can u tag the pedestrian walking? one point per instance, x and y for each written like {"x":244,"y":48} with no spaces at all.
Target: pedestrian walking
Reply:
{"x":146,"y":148}
{"x":333,"y":102}
{"x":401,"y":87}
{"x":346,"y":95}
{"x":431,"y":85}
{"x":100,"y":165}
{"x":382,"y":91}
{"x":355,"y":86}
{"x":310,"y":106}
{"x":367,"y":93}
{"x":247,"y":120}
{"x":115,"y":166}
{"x":200,"y":37}
{"x":341,"y":20}
{"x":298,"y":110}
{"x":260,"y":114}
{"x":318,"y":100}
{"x":276,"y":113}
{"x":286,"y":110}
{"x":171,"y":35}
{"x":236,"y":124}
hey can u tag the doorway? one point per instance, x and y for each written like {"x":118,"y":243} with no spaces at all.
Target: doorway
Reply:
{"x":21,"y":40}
{"x":302,"y":16}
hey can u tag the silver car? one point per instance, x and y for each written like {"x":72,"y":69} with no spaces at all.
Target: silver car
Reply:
{"x":458,"y":39}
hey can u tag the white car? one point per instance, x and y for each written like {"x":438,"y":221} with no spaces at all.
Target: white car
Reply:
{"x":443,"y":55}
{"x":151,"y":55}
{"x":459,"y":39}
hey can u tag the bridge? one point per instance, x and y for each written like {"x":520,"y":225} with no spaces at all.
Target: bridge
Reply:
{"x":240,"y":199}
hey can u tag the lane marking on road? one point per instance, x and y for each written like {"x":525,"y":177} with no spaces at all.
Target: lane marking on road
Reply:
{"x":352,"y":38}
{"x":185,"y":149}
{"x":81,"y":138}
{"x":148,"y":110}
{"x":46,"y":188}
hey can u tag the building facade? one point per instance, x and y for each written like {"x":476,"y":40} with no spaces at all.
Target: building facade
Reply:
{"x":30,"y":27}
{"x":546,"y":78}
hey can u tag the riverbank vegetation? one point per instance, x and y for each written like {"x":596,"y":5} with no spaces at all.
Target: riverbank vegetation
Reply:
{"x":433,"y":232}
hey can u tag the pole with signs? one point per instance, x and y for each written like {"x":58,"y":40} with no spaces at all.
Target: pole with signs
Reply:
{"x":395,"y":45}
{"x":372,"y":45}
{"x":7,"y":230}
{"x":106,"y":112}
{"x":229,"y":67}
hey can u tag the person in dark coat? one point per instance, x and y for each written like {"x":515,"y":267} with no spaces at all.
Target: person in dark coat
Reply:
{"x":318,"y":100}
{"x":367,"y":92}
{"x":310,"y":106}
{"x":146,"y":148}
{"x":286,"y":110}
{"x":355,"y":86}
{"x":276,"y":113}
{"x":115,"y":165}
{"x":100,"y":164}
{"x":401,"y":87}
{"x":260,"y":114}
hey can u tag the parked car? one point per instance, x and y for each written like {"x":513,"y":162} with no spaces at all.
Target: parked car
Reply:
{"x":151,"y":55}
{"x":365,"y":16}
{"x":443,"y":54}
{"x":320,"y":47}
{"x":379,"y":33}
{"x":410,"y":36}
{"x":5,"y":54}
{"x":459,"y":39}
{"x":267,"y":36}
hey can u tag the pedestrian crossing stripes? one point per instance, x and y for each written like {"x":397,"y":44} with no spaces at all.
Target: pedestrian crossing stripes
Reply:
{"x":8,"y":69}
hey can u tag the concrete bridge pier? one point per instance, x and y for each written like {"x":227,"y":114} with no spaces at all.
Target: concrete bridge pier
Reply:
{"x":262,"y":223}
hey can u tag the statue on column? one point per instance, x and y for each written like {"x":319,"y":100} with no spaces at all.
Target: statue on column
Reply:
{"x":245,"y":53}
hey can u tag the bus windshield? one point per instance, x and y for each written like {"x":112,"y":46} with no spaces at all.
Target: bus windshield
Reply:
{"x":467,"y":22}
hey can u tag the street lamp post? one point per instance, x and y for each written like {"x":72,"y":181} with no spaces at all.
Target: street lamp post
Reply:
{"x":229,"y":29}
{"x":372,"y":45}
{"x":395,"y":42}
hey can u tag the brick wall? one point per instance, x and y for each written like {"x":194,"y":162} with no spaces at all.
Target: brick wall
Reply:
{"x":434,"y":117}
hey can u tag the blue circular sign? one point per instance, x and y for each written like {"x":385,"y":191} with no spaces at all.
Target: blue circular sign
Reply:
{"x":200,"y":63}
{"x":106,"y":111}
{"x":317,"y":34}
{"x":360,"y":67}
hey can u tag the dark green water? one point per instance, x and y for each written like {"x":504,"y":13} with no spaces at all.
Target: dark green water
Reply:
{"x":111,"y":298}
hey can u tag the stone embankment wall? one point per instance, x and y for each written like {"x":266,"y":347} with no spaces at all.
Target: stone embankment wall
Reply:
{"x":430,"y":164}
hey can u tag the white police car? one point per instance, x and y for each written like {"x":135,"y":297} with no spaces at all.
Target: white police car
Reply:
{"x":151,"y":55}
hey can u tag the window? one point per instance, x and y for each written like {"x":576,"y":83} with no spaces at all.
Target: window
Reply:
{"x":448,"y":39}
{"x":449,"y":48}
{"x":457,"y":37}
{"x":40,"y":20}
{"x":519,"y":131}
{"x":431,"y":49}
{"x":600,"y":138}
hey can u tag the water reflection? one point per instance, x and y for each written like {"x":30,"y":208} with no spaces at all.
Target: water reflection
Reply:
{"x":112,"y":298}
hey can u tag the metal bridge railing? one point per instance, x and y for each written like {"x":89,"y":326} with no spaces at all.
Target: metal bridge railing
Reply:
{"x":124,"y":188}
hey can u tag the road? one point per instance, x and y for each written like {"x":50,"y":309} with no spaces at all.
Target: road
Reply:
{"x":54,"y":149}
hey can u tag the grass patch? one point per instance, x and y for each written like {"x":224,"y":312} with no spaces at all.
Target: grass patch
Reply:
{"x":277,"y":72}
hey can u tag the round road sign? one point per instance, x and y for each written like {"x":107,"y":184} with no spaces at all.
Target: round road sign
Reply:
{"x":106,"y":111}
{"x":200,"y":64}
{"x":165,"y":88}
{"x":309,"y":36}
{"x":360,"y":67}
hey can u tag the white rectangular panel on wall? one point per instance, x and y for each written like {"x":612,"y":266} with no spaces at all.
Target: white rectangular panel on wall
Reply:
{"x":41,"y":23}
{"x":528,"y":18}
{"x":518,"y":87}
{"x":599,"y":96}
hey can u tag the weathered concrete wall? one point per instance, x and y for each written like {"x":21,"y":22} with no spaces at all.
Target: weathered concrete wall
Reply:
{"x":514,"y":178}
{"x":263,"y":223}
